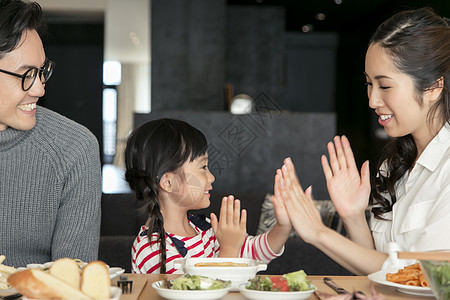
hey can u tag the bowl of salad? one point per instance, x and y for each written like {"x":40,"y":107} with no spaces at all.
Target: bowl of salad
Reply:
{"x":289,"y":286}
{"x":236,"y":270}
{"x":437,"y":274}
{"x":193,"y":287}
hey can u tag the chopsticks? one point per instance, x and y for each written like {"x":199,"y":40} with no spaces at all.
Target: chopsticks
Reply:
{"x":432,"y":255}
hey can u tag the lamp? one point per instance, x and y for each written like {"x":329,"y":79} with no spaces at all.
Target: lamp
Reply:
{"x":241,"y":104}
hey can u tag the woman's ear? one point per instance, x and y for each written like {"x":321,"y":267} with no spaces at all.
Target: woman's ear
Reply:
{"x":166,"y":182}
{"x":434,"y":91}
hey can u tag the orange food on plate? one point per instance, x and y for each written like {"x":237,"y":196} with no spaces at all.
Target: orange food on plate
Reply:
{"x":423,"y":281}
{"x":412,"y":283}
{"x":411,"y":275}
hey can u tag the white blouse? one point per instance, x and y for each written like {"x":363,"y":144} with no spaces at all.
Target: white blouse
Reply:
{"x":420,"y":219}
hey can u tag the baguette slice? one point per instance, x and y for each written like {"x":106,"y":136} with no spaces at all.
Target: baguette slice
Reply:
{"x":67,"y":270}
{"x":95,"y":280}
{"x":37,"y":284}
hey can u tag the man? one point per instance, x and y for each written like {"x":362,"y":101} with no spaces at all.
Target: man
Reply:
{"x":50,"y":174}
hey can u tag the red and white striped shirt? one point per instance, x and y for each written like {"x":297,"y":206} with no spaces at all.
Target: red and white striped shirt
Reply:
{"x":145,"y":258}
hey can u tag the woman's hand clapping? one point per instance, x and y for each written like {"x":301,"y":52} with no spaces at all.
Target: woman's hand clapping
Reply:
{"x":299,"y":205}
{"x":348,"y":190}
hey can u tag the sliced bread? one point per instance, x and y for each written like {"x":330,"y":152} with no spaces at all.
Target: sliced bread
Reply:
{"x":95,"y":280}
{"x":67,"y":270}
{"x":37,"y":284}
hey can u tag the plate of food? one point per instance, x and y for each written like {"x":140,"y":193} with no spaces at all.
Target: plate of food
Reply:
{"x":192,"y":287}
{"x":408,"y":280}
{"x":5,"y":271}
{"x":437,"y":274}
{"x":115,"y":294}
{"x":113,"y":271}
{"x":237,"y":270}
{"x":64,"y":280}
{"x":289,"y":286}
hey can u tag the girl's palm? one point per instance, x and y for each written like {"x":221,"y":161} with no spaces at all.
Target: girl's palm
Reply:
{"x":230,"y":230}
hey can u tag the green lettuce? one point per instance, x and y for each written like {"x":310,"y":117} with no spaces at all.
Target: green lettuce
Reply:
{"x":297,"y":281}
{"x":260,"y":283}
{"x":197,"y":282}
{"x":440,"y":277}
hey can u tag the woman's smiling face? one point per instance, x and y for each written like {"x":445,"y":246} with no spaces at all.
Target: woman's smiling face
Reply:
{"x":393,"y":97}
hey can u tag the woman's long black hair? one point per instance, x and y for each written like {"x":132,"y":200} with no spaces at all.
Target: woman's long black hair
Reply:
{"x":419,"y":43}
{"x":153,"y":149}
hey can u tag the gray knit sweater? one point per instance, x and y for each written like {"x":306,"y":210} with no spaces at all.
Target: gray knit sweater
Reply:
{"x":50,"y":191}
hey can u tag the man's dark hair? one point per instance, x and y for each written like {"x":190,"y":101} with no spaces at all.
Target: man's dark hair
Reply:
{"x":16,"y":16}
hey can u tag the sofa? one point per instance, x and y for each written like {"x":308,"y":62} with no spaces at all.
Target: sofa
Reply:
{"x":121,"y":220}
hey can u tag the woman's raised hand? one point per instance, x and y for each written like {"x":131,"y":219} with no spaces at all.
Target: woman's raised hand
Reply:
{"x":279,"y":208}
{"x":348,"y":190}
{"x":231,"y":229}
{"x":299,"y":205}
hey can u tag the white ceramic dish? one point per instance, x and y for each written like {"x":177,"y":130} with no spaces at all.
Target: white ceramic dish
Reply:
{"x":189,"y":294}
{"x":380,"y":277}
{"x":266,"y":295}
{"x":113,"y":271}
{"x":115,"y":294}
{"x":7,"y":292}
{"x":237,"y":275}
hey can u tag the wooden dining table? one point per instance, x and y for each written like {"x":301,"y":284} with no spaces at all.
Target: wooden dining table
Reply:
{"x":143,"y":290}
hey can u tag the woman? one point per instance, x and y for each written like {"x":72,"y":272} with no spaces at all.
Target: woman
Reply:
{"x":407,"y":72}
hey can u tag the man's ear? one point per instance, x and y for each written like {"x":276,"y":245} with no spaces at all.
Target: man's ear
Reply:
{"x":433,"y":92}
{"x":166,"y":182}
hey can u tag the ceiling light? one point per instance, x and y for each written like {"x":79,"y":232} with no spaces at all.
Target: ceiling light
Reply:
{"x":307,"y":28}
{"x":320,"y":16}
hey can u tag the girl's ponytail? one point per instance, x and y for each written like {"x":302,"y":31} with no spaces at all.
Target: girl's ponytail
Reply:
{"x":146,"y":190}
{"x":153,"y":209}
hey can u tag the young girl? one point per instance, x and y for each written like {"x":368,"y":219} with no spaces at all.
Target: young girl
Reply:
{"x":407,"y":72}
{"x":167,"y":167}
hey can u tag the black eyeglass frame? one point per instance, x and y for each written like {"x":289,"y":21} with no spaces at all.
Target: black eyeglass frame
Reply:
{"x":47,"y":67}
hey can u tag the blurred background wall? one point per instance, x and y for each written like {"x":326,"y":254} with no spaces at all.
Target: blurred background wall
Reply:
{"x":301,"y":56}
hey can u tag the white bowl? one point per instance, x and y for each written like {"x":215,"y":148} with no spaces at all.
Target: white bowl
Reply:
{"x":237,"y":275}
{"x":437,"y":276}
{"x":269,"y":295}
{"x":189,"y":294}
{"x":115,"y":294}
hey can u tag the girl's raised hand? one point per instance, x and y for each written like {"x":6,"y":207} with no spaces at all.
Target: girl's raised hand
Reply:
{"x":348,"y":190}
{"x":231,"y":229}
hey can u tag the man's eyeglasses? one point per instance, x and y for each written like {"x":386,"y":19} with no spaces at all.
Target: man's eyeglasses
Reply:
{"x":29,"y":77}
